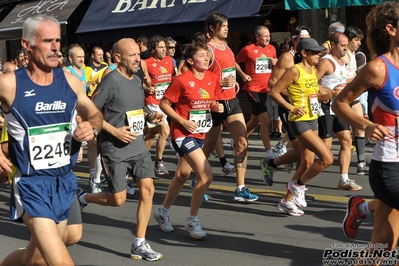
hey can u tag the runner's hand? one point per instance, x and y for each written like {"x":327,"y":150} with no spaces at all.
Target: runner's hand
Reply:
{"x":156,"y":118}
{"x":217,"y":107}
{"x":378,"y":132}
{"x":228,"y":81}
{"x":190,"y":126}
{"x":83,"y":131}
{"x":5,"y":164}
{"x":125,"y":135}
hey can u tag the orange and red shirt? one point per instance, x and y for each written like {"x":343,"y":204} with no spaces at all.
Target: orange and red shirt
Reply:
{"x":258,"y":65}
{"x":161,"y":74}
{"x":223,"y":65}
{"x":191,"y":96}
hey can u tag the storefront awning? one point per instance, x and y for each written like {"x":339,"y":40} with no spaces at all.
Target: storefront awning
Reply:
{"x":317,"y":4}
{"x":11,"y":26}
{"x":104,"y":15}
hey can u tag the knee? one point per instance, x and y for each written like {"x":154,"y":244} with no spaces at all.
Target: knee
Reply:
{"x":147,"y":193}
{"x":118,"y":199}
{"x":328,"y":160}
{"x":241,"y":145}
{"x":72,"y":238}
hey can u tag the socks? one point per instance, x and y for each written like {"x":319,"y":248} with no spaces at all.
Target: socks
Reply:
{"x":163,"y":209}
{"x":270,"y":153}
{"x":344,"y":178}
{"x":138,"y":242}
{"x":299,"y":183}
{"x":191,"y":217}
{"x":363,"y":208}
{"x":223,"y":161}
{"x":271,"y":163}
{"x":82,"y":198}
{"x":240,"y":187}
{"x":360,"y":144}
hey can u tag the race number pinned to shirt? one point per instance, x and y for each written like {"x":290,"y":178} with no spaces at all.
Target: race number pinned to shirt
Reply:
{"x":231,"y":71}
{"x":263,"y":65}
{"x":203,"y":119}
{"x":314,"y":104}
{"x":50,"y":146}
{"x":136,"y":120}
{"x":161,"y":88}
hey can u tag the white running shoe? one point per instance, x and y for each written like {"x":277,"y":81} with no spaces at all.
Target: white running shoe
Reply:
{"x":228,"y":169}
{"x":289,"y":207}
{"x":129,"y":188}
{"x":95,"y":187}
{"x":298,"y":194}
{"x":163,"y":220}
{"x":280,"y":149}
{"x":194,"y":228}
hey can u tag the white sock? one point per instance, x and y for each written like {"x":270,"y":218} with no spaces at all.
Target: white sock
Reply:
{"x":92,"y":173}
{"x":240,"y":187}
{"x":163,"y":209}
{"x":82,"y":198}
{"x":270,"y":153}
{"x":363,"y":208}
{"x":344,"y":178}
{"x":98,"y":170}
{"x":192,"y":217}
{"x":138,"y":241}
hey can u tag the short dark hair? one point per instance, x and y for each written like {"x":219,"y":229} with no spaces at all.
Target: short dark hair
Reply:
{"x":353,"y":32}
{"x":191,"y":50}
{"x":143,"y":40}
{"x":154,"y":41}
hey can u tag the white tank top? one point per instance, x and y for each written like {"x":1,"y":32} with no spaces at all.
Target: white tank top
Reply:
{"x":351,"y":67}
{"x":339,"y":76}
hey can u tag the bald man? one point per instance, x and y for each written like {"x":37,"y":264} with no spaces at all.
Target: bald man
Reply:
{"x":9,"y":67}
{"x":121,"y":143}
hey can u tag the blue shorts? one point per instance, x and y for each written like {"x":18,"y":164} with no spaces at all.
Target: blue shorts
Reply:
{"x":186,"y":145}
{"x":43,"y":196}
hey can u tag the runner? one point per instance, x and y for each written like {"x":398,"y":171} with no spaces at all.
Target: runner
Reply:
{"x":303,"y":91}
{"x":379,"y":77}
{"x":120,"y":97}
{"x":193,"y":93}
{"x":41,"y":119}
{"x":223,"y":64}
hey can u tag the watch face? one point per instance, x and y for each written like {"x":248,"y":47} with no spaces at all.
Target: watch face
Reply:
{"x":95,"y":132}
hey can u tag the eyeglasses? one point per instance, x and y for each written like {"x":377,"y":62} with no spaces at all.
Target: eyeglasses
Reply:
{"x":171,"y":47}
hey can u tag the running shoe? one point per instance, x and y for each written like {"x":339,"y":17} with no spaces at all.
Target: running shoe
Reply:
{"x":349,"y":185}
{"x":194,"y":228}
{"x":245,"y":195}
{"x":79,"y":192}
{"x":362,"y":169}
{"x":298,"y":194}
{"x":232,"y":146}
{"x":95,"y":187}
{"x":228,"y":169}
{"x":267,"y":171}
{"x":192,"y":185}
{"x":289,"y":207}
{"x":144,"y":251}
{"x":353,"y":218}
{"x":129,"y":188}
{"x":213,"y":154}
{"x":289,"y":167}
{"x":163,"y":220}
{"x":280,"y":149}
{"x":160,"y":168}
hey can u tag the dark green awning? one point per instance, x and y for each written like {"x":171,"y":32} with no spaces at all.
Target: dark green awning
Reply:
{"x":317,"y":4}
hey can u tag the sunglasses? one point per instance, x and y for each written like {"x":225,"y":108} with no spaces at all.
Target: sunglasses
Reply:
{"x":171,"y":47}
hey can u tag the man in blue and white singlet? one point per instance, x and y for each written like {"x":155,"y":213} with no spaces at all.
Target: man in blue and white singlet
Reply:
{"x":40,"y":103}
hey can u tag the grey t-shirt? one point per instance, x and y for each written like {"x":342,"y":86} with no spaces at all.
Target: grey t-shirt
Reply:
{"x":115,"y":96}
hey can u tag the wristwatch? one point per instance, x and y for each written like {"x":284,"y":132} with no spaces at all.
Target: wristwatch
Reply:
{"x":95,"y":132}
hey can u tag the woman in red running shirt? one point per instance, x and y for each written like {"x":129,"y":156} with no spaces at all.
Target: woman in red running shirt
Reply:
{"x":194,"y":96}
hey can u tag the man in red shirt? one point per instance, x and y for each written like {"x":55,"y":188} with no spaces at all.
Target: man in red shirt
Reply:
{"x":258,"y":59}
{"x":161,"y":71}
{"x":223,"y":64}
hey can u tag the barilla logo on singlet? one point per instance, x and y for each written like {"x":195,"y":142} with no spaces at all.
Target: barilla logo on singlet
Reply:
{"x":55,"y":107}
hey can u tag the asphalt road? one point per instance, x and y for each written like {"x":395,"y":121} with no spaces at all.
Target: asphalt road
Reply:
{"x":238,"y":234}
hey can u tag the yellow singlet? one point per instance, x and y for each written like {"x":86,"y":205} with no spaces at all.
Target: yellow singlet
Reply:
{"x":300,"y":93}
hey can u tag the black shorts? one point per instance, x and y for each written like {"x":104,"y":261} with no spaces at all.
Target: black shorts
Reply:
{"x":329,"y":124}
{"x":297,"y":128}
{"x":257,"y":101}
{"x":75,"y":214}
{"x":384,"y":181}
{"x":283,"y":113}
{"x":139,"y":166}
{"x":231,"y":107}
